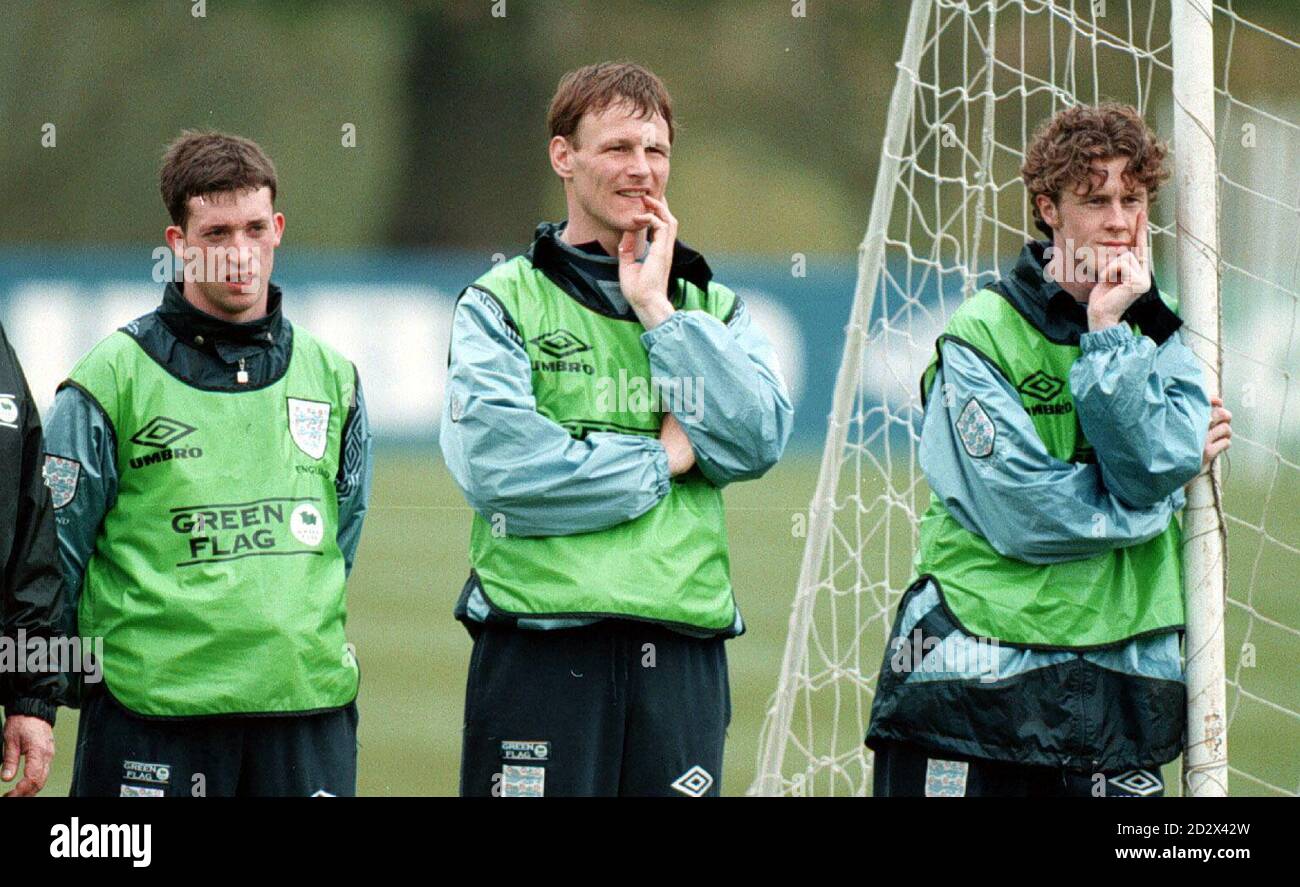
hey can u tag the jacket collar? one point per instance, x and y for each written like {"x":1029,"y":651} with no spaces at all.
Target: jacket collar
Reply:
{"x":1061,"y":319}
{"x":213,"y":335}
{"x":579,"y":270}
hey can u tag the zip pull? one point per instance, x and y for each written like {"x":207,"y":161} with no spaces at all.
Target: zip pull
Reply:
{"x":241,"y":377}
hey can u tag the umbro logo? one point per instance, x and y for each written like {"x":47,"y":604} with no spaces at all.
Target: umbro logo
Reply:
{"x":1041,"y":386}
{"x":1139,"y":783}
{"x":161,"y":432}
{"x":560,"y":343}
{"x":694,"y":782}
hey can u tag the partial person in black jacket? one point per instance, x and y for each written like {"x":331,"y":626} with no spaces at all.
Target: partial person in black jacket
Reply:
{"x":31,"y":596}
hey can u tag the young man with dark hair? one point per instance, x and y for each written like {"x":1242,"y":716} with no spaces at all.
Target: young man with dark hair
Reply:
{"x":210,"y":468}
{"x":31,"y":598}
{"x":602,"y":389}
{"x":1063,"y":416}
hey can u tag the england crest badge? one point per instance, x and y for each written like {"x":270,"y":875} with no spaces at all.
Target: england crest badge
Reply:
{"x":976,"y":430}
{"x":61,"y":476}
{"x":309,"y":422}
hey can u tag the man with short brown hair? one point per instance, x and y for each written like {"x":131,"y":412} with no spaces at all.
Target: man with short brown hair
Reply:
{"x":602,"y":388}
{"x":210,"y":467}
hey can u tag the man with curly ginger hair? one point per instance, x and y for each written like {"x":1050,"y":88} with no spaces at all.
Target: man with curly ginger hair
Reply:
{"x":1037,"y":652}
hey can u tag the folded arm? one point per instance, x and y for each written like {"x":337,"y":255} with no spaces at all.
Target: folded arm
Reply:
{"x":730,"y":397}
{"x":983,"y":459}
{"x":511,"y":461}
{"x":1144,"y":410}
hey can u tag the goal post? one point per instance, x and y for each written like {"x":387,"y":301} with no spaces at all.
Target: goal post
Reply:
{"x":1205,"y":760}
{"x":974,"y":79}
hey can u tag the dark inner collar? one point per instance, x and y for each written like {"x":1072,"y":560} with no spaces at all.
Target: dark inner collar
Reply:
{"x":191,"y":325}
{"x":549,"y":254}
{"x":1060,"y":317}
{"x":593,"y":247}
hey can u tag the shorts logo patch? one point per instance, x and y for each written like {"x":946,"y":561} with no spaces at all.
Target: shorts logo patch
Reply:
{"x":945,"y":779}
{"x":139,"y":771}
{"x":309,"y":423}
{"x":525,"y":750}
{"x":61,"y":476}
{"x":976,"y":430}
{"x":8,"y":411}
{"x":140,"y":791}
{"x":522,"y":782}
{"x":694,"y":782}
{"x":1140,"y":783}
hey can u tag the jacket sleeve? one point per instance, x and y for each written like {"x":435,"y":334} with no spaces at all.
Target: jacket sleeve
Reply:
{"x":987,"y":465}
{"x":1143,"y":409}
{"x":739,"y":417}
{"x":515,"y":465}
{"x":33,"y":595}
{"x":80,"y":443}
{"x":352,"y":484}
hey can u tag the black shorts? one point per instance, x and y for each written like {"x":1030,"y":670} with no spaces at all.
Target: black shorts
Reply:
{"x":907,"y":771}
{"x":123,"y":754}
{"x":616,"y":708}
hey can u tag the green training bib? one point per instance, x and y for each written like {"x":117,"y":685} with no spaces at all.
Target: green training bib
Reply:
{"x":1097,"y":601}
{"x":217,"y":582}
{"x":591,"y":373}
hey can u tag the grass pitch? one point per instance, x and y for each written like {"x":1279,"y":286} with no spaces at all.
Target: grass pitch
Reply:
{"x":413,"y":654}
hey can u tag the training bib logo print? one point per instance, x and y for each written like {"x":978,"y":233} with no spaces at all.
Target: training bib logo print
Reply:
{"x":1042,"y":386}
{"x":161,"y":432}
{"x":560,"y":343}
{"x":307,"y":525}
{"x":976,"y":430}
{"x":61,"y":477}
{"x":309,"y":423}
{"x":235,"y":530}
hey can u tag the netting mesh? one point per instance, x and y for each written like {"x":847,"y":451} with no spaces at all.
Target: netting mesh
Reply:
{"x":983,"y":75}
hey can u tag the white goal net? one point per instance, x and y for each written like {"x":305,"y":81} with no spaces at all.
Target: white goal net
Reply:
{"x":949,"y":211}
